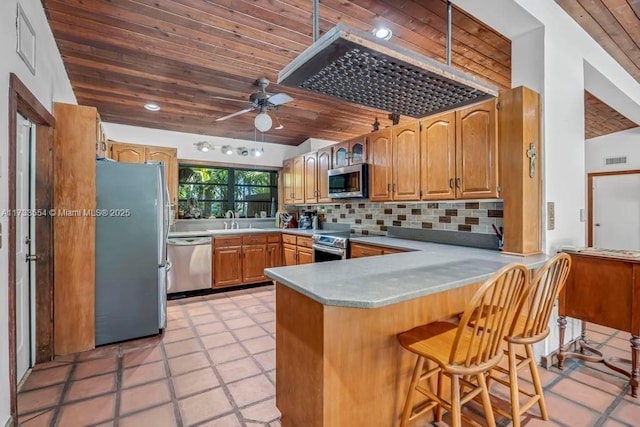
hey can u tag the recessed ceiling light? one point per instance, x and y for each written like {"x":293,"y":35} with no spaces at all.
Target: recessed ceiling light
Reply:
{"x":227,"y":149}
{"x":383,"y":33}
{"x":152,"y":107}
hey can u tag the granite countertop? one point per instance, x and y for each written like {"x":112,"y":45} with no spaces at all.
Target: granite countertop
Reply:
{"x":241,"y":231}
{"x":373,"y":282}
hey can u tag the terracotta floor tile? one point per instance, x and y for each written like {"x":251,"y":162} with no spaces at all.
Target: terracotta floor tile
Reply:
{"x":182,"y":347}
{"x":259,"y":345}
{"x":227,"y":421}
{"x":248,"y":302}
{"x":95,"y":367}
{"x":257,"y":309}
{"x":177,"y":324}
{"x":621,"y":344}
{"x":47,"y":377}
{"x":211,"y":328}
{"x":142,"y":356}
{"x":144,"y":396}
{"x":240,"y":322}
{"x":194,"y":382}
{"x":592,"y":327}
{"x":217,"y":340}
{"x":174,"y":315}
{"x":92,"y":411}
{"x":627,"y":412}
{"x":143,"y":374}
{"x":238,"y":369}
{"x":91,"y":387}
{"x":227,"y":353}
{"x":262,"y":412}
{"x":49,"y":365}
{"x":37,"y":419}
{"x":231,"y":314}
{"x":267,"y":360}
{"x":31,"y":401}
{"x":264,"y":317}
{"x":162,"y":416}
{"x":270,"y":327}
{"x":568,"y":412}
{"x":250,"y":332}
{"x":178,"y":335}
{"x":100,"y":352}
{"x":598,"y":379}
{"x":202,"y":309}
{"x":251,"y":390}
{"x":614,"y":423}
{"x":190,"y":362}
{"x":105,"y":424}
{"x":586,"y":395}
{"x":203,"y":406}
{"x":221,"y":306}
{"x":272,"y":376}
{"x":201,"y":320}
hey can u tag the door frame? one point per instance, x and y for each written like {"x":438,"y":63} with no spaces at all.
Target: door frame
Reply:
{"x":22,"y":101}
{"x":590,"y":177}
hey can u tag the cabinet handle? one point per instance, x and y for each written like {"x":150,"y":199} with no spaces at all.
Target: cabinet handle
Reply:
{"x":393,"y":186}
{"x":388,"y":188}
{"x":104,"y":146}
{"x":457,"y":182}
{"x":450,"y":182}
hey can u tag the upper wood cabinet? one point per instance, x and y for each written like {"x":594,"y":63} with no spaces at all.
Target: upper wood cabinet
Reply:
{"x":287,"y":182}
{"x":477,"y":151}
{"x":350,"y":152}
{"x":298,"y":180}
{"x":134,"y":153}
{"x":324,"y":164}
{"x":438,"y":151}
{"x":380,"y":172}
{"x":394,"y":157}
{"x":311,"y":177}
{"x":460,"y":154}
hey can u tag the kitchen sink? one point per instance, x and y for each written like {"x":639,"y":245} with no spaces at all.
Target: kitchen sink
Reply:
{"x":235,"y":231}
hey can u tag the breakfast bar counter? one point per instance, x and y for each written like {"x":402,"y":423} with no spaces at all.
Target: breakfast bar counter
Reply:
{"x":338,"y":362}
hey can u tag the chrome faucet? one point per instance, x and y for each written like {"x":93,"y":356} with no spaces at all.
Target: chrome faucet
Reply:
{"x":234,"y":223}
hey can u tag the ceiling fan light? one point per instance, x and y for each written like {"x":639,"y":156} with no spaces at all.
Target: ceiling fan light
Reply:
{"x":227,"y":149}
{"x":383,"y":33}
{"x":263,"y":122}
{"x":152,"y":107}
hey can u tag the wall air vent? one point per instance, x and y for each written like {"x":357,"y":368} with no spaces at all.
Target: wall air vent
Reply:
{"x":355,"y":66}
{"x":620,"y":160}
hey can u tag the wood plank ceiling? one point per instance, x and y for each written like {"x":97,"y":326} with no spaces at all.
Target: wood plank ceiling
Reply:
{"x":615,"y":25}
{"x":199,"y":59}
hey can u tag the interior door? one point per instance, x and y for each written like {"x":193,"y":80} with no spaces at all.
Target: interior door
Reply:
{"x":616,"y":211}
{"x":23,"y":232}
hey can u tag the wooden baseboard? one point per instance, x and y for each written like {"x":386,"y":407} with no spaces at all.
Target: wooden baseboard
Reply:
{"x":552,"y":358}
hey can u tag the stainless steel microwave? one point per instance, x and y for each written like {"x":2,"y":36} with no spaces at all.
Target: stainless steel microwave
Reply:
{"x":349,"y":181}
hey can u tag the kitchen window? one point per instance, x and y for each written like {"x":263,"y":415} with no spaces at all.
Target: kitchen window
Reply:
{"x":215,"y":190}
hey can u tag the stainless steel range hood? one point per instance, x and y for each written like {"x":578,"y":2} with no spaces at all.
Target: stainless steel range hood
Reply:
{"x":353,"y":65}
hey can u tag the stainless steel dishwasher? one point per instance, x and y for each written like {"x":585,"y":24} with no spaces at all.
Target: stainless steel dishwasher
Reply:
{"x":190,"y":259}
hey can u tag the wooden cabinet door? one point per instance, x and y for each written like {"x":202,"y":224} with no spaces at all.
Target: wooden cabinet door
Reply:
{"x":477,"y":151}
{"x":169,"y":156}
{"x":298,"y":180}
{"x":340,"y":155}
{"x":274,"y":255}
{"x":380,"y":161}
{"x":310,"y":178}
{"x":324,"y":164}
{"x":128,"y":153}
{"x":254,"y":261}
{"x":101,"y":139}
{"x":227,"y":266}
{"x":287,"y":182}
{"x":357,"y":150}
{"x":438,"y":154}
{"x":289,"y":255}
{"x":406,"y":162}
{"x":305,"y":255}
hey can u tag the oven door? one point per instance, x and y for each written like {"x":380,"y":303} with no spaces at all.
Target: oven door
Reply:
{"x":323,"y":253}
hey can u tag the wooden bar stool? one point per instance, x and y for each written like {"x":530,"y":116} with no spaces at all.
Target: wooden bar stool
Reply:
{"x":531,"y":325}
{"x":462,"y":352}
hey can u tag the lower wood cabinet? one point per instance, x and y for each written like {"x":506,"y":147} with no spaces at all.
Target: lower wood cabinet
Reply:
{"x":360,"y":250}
{"x":239,"y":260}
{"x":296,"y":250}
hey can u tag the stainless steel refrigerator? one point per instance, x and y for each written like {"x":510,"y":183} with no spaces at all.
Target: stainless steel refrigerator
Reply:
{"x":132,"y":224}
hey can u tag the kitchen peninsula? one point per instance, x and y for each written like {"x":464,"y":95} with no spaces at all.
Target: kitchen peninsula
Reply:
{"x":338,"y":362}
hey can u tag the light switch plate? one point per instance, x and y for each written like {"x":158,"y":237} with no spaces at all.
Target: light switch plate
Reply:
{"x":583,"y":216}
{"x":551,"y":216}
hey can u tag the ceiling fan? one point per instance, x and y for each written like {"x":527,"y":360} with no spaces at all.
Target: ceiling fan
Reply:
{"x":265,"y":102}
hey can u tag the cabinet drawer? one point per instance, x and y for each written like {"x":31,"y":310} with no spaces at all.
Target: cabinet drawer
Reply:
{"x":289,"y":238}
{"x":273,"y":238}
{"x":359,"y":251}
{"x":388,"y":251}
{"x":227,"y":241}
{"x":254,"y":239}
{"x":305,"y":242}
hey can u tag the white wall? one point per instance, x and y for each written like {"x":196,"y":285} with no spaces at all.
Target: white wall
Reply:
{"x":50,"y":83}
{"x":184,"y":142}
{"x":625,"y":143}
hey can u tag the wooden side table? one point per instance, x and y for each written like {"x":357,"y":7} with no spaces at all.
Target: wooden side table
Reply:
{"x":603,"y":288}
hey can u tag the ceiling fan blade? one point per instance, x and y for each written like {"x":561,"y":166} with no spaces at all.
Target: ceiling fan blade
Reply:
{"x":246,"y":110}
{"x":277,"y":123}
{"x":280,"y":98}
{"x":224,"y":98}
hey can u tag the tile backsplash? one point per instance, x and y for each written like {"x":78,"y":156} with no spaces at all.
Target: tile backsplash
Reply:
{"x":369,"y":218}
